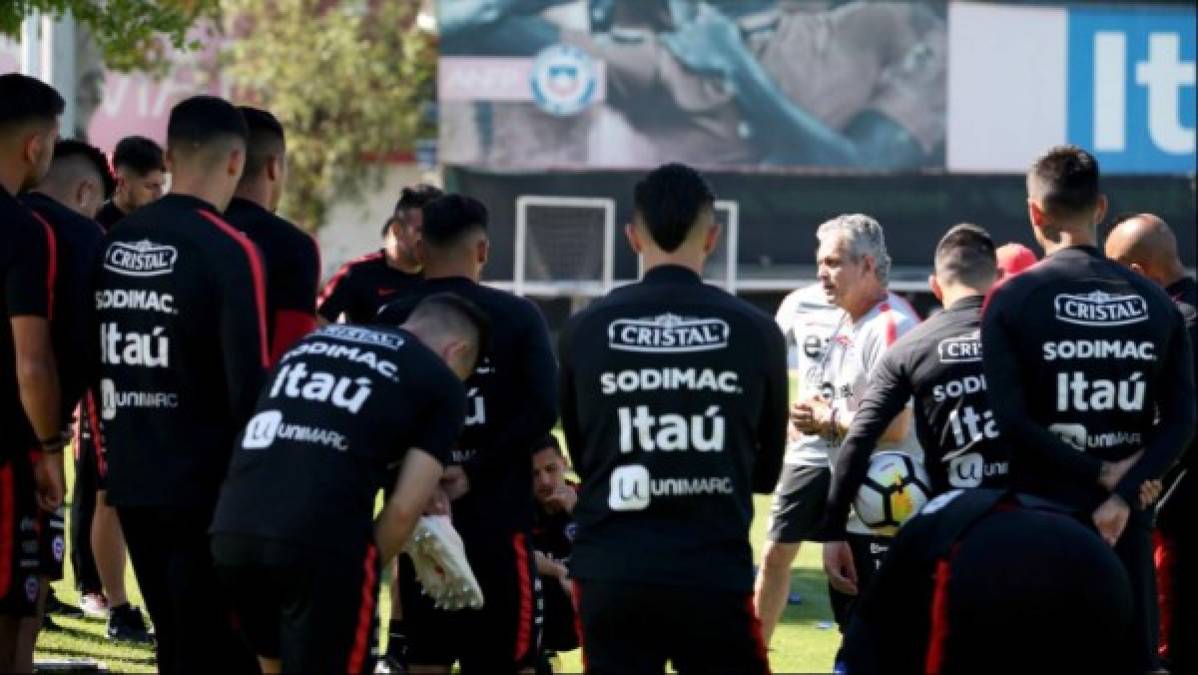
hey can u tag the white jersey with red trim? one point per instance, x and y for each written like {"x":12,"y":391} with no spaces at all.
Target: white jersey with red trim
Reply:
{"x":856,"y":349}
{"x":807,"y":321}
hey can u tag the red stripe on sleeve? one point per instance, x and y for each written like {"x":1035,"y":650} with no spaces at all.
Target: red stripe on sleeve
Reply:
{"x":289,"y":327}
{"x":251,"y":253}
{"x":89,"y":402}
{"x":939,"y":632}
{"x":331,"y":287}
{"x":7,"y":498}
{"x":523,"y":572}
{"x":51,"y":264}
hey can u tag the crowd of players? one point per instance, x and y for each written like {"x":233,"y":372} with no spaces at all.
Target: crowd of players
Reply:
{"x":234,"y":428}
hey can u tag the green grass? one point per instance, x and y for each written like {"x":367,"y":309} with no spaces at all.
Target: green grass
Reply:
{"x":799,"y":645}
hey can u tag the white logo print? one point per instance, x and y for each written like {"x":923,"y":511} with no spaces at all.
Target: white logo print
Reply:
{"x":112,"y":400}
{"x":140,"y":259}
{"x":1100,"y":309}
{"x":1072,"y":434}
{"x":961,"y":349}
{"x":629,"y":488}
{"x":364,"y":336}
{"x":134,"y":349}
{"x":295,"y":381}
{"x":668,"y":333}
{"x":261,"y":430}
{"x":641,"y":430}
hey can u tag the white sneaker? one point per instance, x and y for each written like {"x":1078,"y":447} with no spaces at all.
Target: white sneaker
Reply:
{"x":439,"y":559}
{"x":94,"y":606}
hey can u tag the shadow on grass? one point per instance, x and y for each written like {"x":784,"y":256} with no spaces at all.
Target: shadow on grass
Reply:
{"x":66,"y":653}
{"x":812,"y":585}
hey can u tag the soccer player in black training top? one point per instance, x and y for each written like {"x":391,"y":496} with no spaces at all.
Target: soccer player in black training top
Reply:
{"x":363,"y":285}
{"x":939,"y":363}
{"x":511,"y":405}
{"x":1081,"y":355}
{"x":67,"y":198}
{"x":291,"y":256}
{"x":30,"y":413}
{"x":181,"y":317}
{"x":987,"y":582}
{"x":295,"y":540}
{"x":139,"y":167}
{"x":1145,"y":243}
{"x":674,"y":410}
{"x":553,"y":532}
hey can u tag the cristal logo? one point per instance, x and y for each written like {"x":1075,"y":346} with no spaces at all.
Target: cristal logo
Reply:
{"x":1100,"y":309}
{"x":364,"y":336}
{"x":261,"y":430}
{"x":668,"y":333}
{"x":961,"y":349}
{"x":140,"y":259}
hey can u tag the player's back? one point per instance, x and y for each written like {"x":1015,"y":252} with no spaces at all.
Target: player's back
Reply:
{"x":180,"y":309}
{"x":510,"y":406}
{"x":942,"y":360}
{"x":1091,"y":337}
{"x":676,"y":388}
{"x":332,"y":424}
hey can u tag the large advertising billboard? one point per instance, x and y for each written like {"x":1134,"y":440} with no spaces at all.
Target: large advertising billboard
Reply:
{"x":1117,"y":80}
{"x":850,"y":84}
{"x":535,"y":84}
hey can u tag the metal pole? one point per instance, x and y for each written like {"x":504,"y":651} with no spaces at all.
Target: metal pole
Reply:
{"x":31,"y":45}
{"x":58,"y":65}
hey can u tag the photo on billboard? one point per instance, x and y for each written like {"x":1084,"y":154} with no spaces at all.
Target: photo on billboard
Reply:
{"x":753,"y":84}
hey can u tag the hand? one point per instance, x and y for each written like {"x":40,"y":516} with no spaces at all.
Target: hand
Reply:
{"x":709,"y":44}
{"x":1113,"y":472}
{"x":47,"y":475}
{"x":1150,"y":491}
{"x":1111,"y":518}
{"x":792,"y":431}
{"x":438,"y":503}
{"x":838,"y":565}
{"x":564,"y":498}
{"x":811,"y":416}
{"x":455,"y":483}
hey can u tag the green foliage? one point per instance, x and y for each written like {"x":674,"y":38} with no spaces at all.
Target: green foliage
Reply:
{"x":349,"y":83}
{"x":131,"y":34}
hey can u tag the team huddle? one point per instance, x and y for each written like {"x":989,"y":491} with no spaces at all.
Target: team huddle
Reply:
{"x":236,"y":426}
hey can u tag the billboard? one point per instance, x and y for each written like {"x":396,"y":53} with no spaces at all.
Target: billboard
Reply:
{"x":537,"y":84}
{"x":1117,"y":80}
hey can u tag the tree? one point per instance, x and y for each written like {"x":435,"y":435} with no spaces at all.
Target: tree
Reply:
{"x":129,"y":33}
{"x":350,"y":81}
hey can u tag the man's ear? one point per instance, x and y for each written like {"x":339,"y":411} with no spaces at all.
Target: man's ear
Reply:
{"x":274,"y":168}
{"x":1100,"y":210}
{"x":937,"y":291}
{"x":712,"y":239}
{"x":1035,"y":213}
{"x":236,"y":163}
{"x":633,"y":237}
{"x":484,"y":251}
{"x":1139,"y":269}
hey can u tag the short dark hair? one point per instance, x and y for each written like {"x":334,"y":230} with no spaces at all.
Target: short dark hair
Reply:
{"x":25,"y":99}
{"x":1065,"y":181}
{"x":199,"y":121}
{"x":550,"y":441}
{"x":138,"y":153}
{"x":413,"y":197}
{"x":266,"y":138}
{"x":448,"y":218}
{"x":966,"y":255}
{"x":669,"y":201}
{"x":454,"y":313}
{"x":69,"y":148}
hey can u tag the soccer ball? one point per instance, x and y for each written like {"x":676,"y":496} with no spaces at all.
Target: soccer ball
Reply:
{"x":895,"y":489}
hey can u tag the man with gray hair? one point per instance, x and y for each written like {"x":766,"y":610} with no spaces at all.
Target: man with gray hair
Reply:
{"x":854,"y":270}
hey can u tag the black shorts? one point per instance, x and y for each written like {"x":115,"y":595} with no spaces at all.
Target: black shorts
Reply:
{"x":313,"y":610}
{"x":51,"y":542}
{"x":868,"y":553}
{"x":502,"y":637}
{"x":633,"y":629}
{"x":89,"y":448}
{"x":799,"y":503}
{"x":561,"y":623}
{"x":19,"y":559}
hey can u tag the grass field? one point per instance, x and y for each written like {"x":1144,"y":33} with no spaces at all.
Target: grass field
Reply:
{"x":802,"y":644}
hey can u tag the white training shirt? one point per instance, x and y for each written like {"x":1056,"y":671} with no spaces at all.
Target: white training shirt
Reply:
{"x":808,"y":322}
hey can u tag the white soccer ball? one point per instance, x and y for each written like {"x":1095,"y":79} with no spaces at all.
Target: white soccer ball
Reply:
{"x":895,"y":489}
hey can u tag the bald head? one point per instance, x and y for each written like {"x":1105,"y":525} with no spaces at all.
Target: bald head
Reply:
{"x":1145,"y":243}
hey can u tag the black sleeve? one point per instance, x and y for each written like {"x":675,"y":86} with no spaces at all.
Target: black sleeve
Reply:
{"x":298,"y":292}
{"x":335,"y":297}
{"x":28,"y":279}
{"x":1176,"y":410}
{"x":1004,"y":387}
{"x":394,"y":313}
{"x":443,"y":417}
{"x":888,"y":393}
{"x":537,"y":371}
{"x":771,"y":429}
{"x":243,"y":327}
{"x":568,"y":403}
